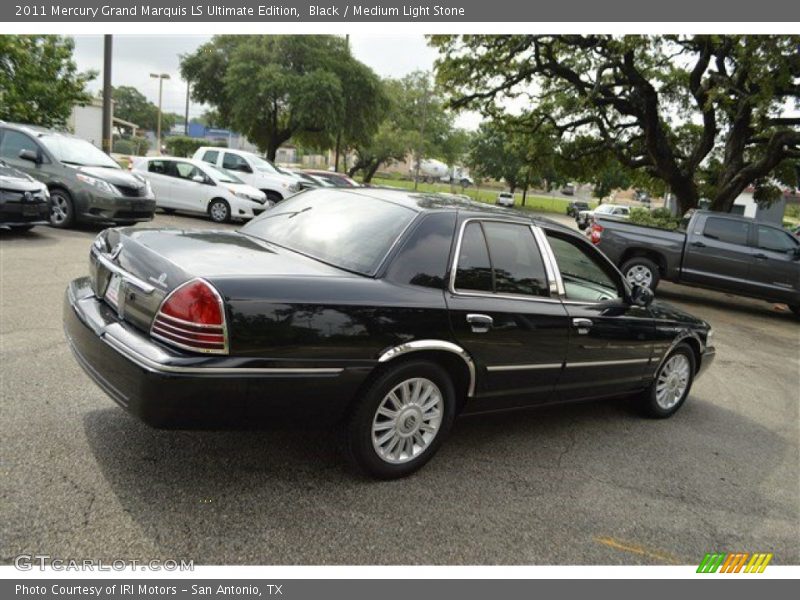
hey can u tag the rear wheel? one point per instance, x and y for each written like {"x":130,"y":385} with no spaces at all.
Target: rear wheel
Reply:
{"x":62,"y":209}
{"x":219,"y":211}
{"x":671,"y":385}
{"x":400,"y":420}
{"x":641,"y":271}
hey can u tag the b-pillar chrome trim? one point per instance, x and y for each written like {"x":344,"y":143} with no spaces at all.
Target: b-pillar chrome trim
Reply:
{"x":441,"y":345}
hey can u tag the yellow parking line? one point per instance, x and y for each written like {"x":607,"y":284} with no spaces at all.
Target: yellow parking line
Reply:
{"x":641,"y":551}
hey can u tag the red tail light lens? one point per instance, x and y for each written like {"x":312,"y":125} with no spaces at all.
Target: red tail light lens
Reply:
{"x":596,"y":233}
{"x":192,"y":317}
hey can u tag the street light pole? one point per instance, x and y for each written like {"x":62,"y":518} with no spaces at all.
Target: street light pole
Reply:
{"x":161,"y":77}
{"x":107,"y":141}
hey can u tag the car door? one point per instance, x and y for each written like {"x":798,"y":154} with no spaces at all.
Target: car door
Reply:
{"x":191,"y":193}
{"x":502,"y":313}
{"x":718,"y":253}
{"x":611,"y":342}
{"x":161,"y":182}
{"x":775,"y":265}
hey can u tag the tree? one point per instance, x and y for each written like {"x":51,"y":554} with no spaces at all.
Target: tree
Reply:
{"x":706,"y":115}
{"x":131,"y":105}
{"x":39,"y":80}
{"x":277,"y":88}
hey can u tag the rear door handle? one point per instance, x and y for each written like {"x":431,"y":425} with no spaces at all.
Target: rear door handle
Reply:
{"x":582,"y":325}
{"x":698,"y":244}
{"x":761,"y":256}
{"x":480,"y":323}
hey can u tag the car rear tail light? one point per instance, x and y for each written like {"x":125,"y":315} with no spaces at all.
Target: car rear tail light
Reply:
{"x":595,"y":233}
{"x":192,"y":317}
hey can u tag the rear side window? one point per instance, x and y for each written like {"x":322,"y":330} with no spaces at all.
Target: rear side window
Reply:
{"x":423,"y":259}
{"x":502,"y":258}
{"x":775,"y":240}
{"x":727,"y":230}
{"x":211,"y":156}
{"x":157,"y":166}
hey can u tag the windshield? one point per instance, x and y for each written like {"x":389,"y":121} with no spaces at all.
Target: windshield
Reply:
{"x":262,"y":164}
{"x":346,"y":230}
{"x":221,"y":176}
{"x":75,"y":151}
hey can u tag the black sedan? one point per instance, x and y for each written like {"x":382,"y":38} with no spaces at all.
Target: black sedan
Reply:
{"x":24,"y":202}
{"x":385,"y":312}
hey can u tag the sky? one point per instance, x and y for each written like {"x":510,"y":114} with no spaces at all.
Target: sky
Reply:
{"x":136,"y":56}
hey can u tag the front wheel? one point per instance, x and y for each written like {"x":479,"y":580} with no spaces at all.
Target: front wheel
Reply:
{"x":671,"y":385}
{"x":641,"y":271}
{"x":219,"y":211}
{"x":62,"y":209}
{"x":400,"y":420}
{"x":273,"y":197}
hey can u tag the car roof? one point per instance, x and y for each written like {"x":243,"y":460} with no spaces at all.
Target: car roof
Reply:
{"x":429,"y":202}
{"x":38,"y":131}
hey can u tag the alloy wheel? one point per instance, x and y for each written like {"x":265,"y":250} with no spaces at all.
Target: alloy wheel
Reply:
{"x":673,"y":381}
{"x":59,"y":209}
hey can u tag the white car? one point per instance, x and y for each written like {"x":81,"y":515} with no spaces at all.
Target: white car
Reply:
{"x":505,"y":199}
{"x":252,"y":169}
{"x":187,"y":185}
{"x":584,"y":217}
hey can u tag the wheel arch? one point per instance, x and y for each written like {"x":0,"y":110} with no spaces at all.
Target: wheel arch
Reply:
{"x":636,"y":252}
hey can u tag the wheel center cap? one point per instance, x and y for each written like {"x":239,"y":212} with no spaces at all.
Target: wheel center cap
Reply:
{"x":408,"y":422}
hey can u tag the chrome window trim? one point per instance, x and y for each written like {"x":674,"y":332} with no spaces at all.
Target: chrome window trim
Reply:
{"x":607,"y":363}
{"x":550,"y":261}
{"x":155,"y":366}
{"x":528,"y":367}
{"x":451,"y":283}
{"x":422,"y":345}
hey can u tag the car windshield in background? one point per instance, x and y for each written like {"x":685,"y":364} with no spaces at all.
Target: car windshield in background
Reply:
{"x":349,"y":231}
{"x":220,"y":175}
{"x":262,"y":165}
{"x":74,"y":151}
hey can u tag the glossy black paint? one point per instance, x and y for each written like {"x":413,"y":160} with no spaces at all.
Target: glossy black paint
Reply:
{"x":286,"y":311}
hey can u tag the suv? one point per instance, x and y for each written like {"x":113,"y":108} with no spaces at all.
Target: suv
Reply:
{"x":85,"y":184}
{"x":24,"y":202}
{"x":253,"y":170}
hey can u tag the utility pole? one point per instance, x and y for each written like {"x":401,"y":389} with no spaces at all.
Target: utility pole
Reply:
{"x":421,"y":144}
{"x":107,"y":142}
{"x":161,"y":77}
{"x":186,"y":114}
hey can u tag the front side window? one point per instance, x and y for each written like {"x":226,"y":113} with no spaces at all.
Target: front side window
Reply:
{"x":775,"y":240}
{"x":234,"y":162}
{"x":501,"y":258}
{"x":727,"y":230}
{"x":14,"y":142}
{"x":585,"y":276}
{"x":187,"y":170}
{"x":157,"y":166}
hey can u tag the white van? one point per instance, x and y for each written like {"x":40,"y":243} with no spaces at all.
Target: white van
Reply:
{"x":252,"y":169}
{"x":186,"y":185}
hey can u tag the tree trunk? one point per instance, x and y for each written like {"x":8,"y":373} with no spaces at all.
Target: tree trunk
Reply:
{"x":685,"y":192}
{"x":370,"y":172}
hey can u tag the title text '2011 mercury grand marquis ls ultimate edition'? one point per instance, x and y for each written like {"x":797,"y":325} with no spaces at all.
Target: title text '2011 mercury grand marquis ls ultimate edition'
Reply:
{"x":386,"y":312}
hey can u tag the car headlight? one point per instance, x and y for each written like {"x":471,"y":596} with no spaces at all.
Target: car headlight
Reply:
{"x":99,"y":184}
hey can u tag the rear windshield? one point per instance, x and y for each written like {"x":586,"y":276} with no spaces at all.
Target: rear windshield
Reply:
{"x":346,"y":230}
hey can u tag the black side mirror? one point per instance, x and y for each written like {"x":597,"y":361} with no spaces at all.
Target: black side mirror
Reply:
{"x":641,"y":295}
{"x":30,"y":155}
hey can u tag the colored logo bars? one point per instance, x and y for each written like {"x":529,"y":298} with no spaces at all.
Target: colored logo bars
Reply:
{"x":734,"y":562}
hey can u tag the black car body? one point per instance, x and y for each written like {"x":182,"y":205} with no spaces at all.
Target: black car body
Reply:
{"x":720,"y":251}
{"x":24,"y":202}
{"x":574,"y":207}
{"x":316,"y":304}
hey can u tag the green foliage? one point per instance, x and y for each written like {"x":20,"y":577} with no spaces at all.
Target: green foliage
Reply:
{"x":659,"y":218}
{"x":135,"y":146}
{"x":39,"y":80}
{"x":179,"y":145}
{"x":131,"y":105}
{"x":275,"y":88}
{"x":698,"y":115}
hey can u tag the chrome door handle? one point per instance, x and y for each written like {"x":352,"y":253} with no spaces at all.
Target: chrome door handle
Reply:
{"x":583,"y":325}
{"x":480,"y":323}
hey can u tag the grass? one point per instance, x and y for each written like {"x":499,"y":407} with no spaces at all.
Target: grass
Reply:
{"x":533,"y":202}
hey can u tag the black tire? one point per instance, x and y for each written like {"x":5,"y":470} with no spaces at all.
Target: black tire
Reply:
{"x":273,"y":196}
{"x":219,"y":211}
{"x":650,"y":402}
{"x":358,"y":432}
{"x":21,"y":228}
{"x":582,"y":225}
{"x":795,"y":308}
{"x":168,"y":211}
{"x":124,"y":223}
{"x":643,"y":266}
{"x":62,"y":211}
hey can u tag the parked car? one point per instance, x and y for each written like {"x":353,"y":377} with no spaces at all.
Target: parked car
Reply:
{"x":334,"y":178}
{"x":568,"y":189}
{"x":252,"y":170}
{"x":642,"y":196}
{"x":505,"y":199}
{"x":387,"y":312}
{"x":85,"y":184}
{"x":719,"y":251}
{"x":574,"y":207}
{"x":617,"y":211}
{"x":306,"y":180}
{"x":24,"y":202}
{"x":187,"y":185}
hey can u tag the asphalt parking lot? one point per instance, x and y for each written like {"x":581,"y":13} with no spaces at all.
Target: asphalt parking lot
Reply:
{"x":585,"y":484}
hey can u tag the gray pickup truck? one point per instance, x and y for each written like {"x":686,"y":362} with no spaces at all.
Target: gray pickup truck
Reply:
{"x":719,"y":251}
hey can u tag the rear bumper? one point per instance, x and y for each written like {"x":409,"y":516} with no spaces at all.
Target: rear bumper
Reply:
{"x":168,"y":388}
